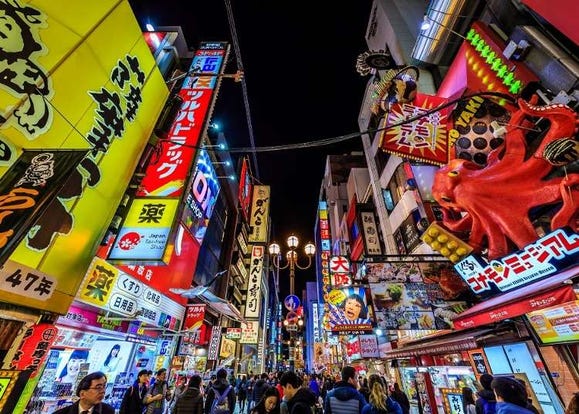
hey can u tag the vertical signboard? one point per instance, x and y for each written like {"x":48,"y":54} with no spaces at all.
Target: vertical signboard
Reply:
{"x":370,"y":233}
{"x":213,"y":349}
{"x":254,"y":283}
{"x":259,"y":214}
{"x":325,"y":252}
{"x":244,"y":193}
{"x":201,"y":197}
{"x":166,"y":176}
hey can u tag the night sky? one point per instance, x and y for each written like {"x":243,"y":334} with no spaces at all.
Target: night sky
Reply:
{"x":302,"y":86}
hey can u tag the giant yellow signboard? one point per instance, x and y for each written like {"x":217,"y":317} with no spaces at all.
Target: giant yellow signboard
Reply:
{"x":84,"y":78}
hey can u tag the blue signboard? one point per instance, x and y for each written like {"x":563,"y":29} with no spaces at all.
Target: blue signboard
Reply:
{"x":291,"y":302}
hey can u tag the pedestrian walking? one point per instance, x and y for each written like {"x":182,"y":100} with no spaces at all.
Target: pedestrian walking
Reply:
{"x":158,"y":394}
{"x":511,"y":396}
{"x":191,"y":400}
{"x":269,"y":403}
{"x":133,"y":398}
{"x":91,"y":392}
{"x":345,"y":398}
{"x":380,"y":401}
{"x":298,"y":399}
{"x":468,"y":400}
{"x":220,"y":392}
{"x":400,"y":397}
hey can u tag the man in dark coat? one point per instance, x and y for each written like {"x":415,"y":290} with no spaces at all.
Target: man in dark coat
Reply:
{"x":133,"y":397}
{"x":91,"y":392}
{"x":400,"y":397}
{"x":222,"y":386}
{"x":259,"y":388}
{"x":298,"y":400}
{"x":486,"y":395}
{"x":191,"y":400}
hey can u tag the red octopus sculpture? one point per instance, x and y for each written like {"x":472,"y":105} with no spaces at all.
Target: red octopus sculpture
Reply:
{"x":495,"y":201}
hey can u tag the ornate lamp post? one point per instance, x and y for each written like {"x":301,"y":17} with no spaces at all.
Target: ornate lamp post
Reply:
{"x":291,"y":263}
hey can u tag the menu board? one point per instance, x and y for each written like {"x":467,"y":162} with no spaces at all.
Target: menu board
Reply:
{"x":557,"y":323}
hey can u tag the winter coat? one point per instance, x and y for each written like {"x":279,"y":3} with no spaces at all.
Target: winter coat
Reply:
{"x":258,"y":390}
{"x":302,"y":402}
{"x":101,"y":408}
{"x":401,"y":398}
{"x":487,"y":395}
{"x":220,"y":385}
{"x":392,"y":407}
{"x":344,"y":399}
{"x":189,"y":402}
{"x":509,"y":408}
{"x":133,"y":399}
{"x":315,"y":387}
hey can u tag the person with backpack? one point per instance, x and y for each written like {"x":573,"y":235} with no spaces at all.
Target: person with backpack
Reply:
{"x":486,"y":401}
{"x":220,"y":397}
{"x":259,"y":388}
{"x":380,"y":401}
{"x":133,"y":398}
{"x":158,"y":395}
{"x":191,"y":400}
{"x":242,"y":393}
{"x":345,"y":398}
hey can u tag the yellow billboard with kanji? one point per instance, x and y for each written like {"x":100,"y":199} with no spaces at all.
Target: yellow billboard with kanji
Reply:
{"x":78,"y":75}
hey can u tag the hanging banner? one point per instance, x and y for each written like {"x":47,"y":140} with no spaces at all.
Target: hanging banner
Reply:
{"x":213,"y":349}
{"x":258,"y":221}
{"x":245,"y":186}
{"x":194,"y":316}
{"x":33,"y":350}
{"x":424,"y":139}
{"x":27,"y":188}
{"x":254,"y":282}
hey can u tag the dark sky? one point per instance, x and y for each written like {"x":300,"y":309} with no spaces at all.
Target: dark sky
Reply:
{"x":302,"y":86}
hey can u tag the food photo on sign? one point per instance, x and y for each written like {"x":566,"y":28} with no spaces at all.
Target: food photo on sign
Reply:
{"x":349,"y":310}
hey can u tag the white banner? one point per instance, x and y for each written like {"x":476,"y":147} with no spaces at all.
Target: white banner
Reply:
{"x":249,"y":332}
{"x":254,"y":282}
{"x":369,"y":346}
{"x":213,"y":350}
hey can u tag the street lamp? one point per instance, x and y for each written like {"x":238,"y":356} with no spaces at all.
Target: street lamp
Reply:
{"x":291,"y":262}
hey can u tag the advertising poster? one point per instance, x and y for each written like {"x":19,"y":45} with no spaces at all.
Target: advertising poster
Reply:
{"x":443,"y":274}
{"x":369,"y":346}
{"x":349,"y":311}
{"x":557,"y":323}
{"x":249,"y":358}
{"x":403,"y":305}
{"x":201,"y":196}
{"x":194,"y":316}
{"x":110,"y":110}
{"x":393,"y":272}
{"x":227,"y":348}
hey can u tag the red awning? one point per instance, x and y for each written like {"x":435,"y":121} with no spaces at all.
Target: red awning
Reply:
{"x":539,"y":295}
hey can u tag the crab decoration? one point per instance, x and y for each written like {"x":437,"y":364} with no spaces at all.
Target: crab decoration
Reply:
{"x":497,"y":203}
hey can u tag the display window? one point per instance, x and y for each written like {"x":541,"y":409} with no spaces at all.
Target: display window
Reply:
{"x":76,"y":354}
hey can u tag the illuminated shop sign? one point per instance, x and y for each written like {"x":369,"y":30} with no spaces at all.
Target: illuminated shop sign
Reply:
{"x":538,"y":260}
{"x":145,"y":231}
{"x":201,"y":196}
{"x":340,"y":271}
{"x":110,"y":111}
{"x":166,"y":177}
{"x":254,"y":282}
{"x":106,"y":287}
{"x":349,"y":310}
{"x":259,"y":214}
{"x":249,"y":332}
{"x":244,"y":194}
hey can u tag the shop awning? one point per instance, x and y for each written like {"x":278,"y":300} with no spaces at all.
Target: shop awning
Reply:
{"x":217,"y":304}
{"x":439,"y":344}
{"x":539,"y":295}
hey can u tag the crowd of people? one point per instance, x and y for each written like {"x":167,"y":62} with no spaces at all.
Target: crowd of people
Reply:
{"x":290,"y":393}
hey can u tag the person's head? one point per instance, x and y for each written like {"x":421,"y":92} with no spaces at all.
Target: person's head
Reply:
{"x":290,"y":383}
{"x":485,"y":381}
{"x":378,"y":392}
{"x":269,"y":401}
{"x":349,"y":375}
{"x":264,"y":376}
{"x":143,"y":376}
{"x":396,"y":387}
{"x":222,"y":374}
{"x":354,"y":307}
{"x":91,"y":389}
{"x":467,"y":396}
{"x":113,"y":353}
{"x":161,"y":375}
{"x":72,"y":367}
{"x":509,"y":390}
{"x":573,"y":406}
{"x":195,"y":381}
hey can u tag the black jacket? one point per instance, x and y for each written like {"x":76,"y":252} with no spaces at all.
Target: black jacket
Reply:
{"x":101,"y":408}
{"x":401,"y":399}
{"x":190,"y":402}
{"x":220,"y":385}
{"x":133,"y":400}
{"x":258,"y":390}
{"x":302,"y":402}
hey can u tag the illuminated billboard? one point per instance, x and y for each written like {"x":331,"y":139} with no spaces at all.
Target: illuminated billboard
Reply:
{"x":145,"y":231}
{"x":258,"y":221}
{"x":349,"y":310}
{"x":94,"y":95}
{"x":201,"y":197}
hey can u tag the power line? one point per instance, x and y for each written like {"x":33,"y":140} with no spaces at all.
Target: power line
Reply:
{"x":237,"y":52}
